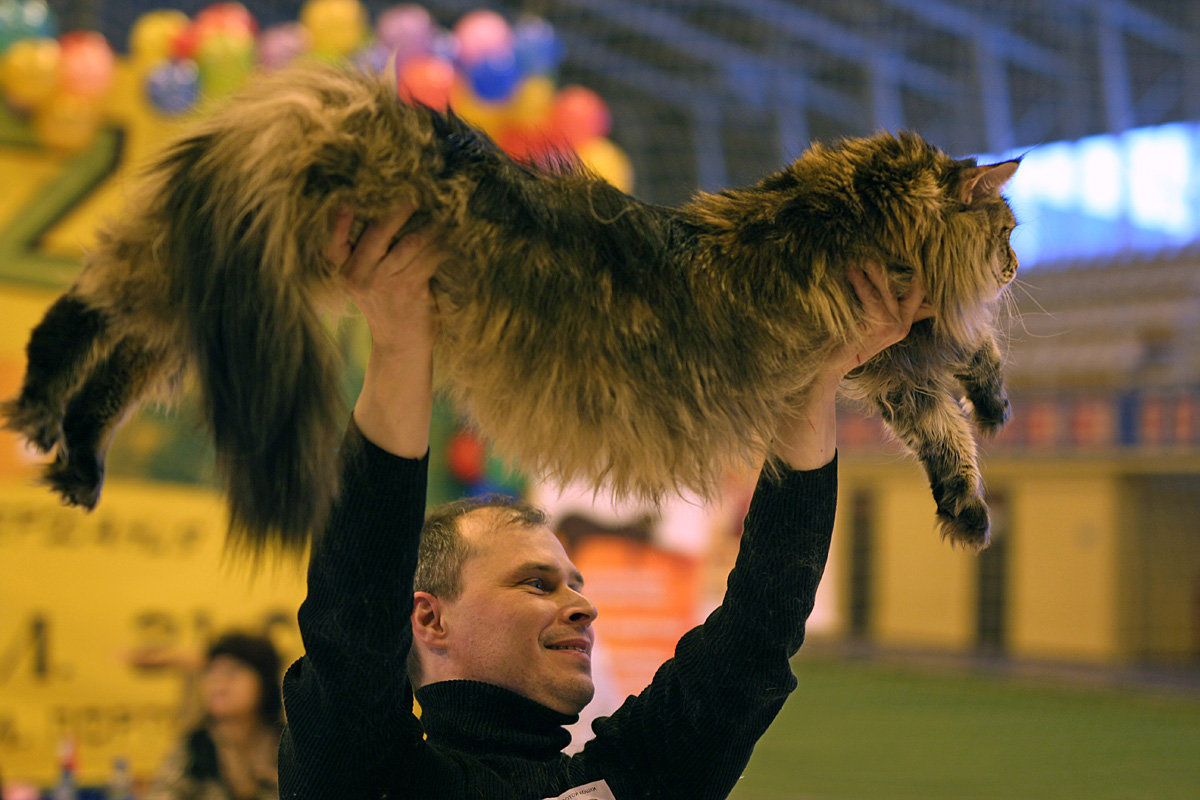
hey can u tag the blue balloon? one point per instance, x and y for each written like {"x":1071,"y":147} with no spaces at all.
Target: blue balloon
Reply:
{"x":25,"y":19}
{"x":495,"y":77}
{"x":173,"y":87}
{"x":538,"y":48}
{"x":38,"y":19}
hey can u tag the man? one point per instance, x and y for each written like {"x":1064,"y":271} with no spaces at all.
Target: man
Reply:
{"x":501,"y":640}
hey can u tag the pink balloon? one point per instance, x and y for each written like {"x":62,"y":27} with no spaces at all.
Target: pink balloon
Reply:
{"x":407,"y":29}
{"x":279,"y":44}
{"x":481,"y":34}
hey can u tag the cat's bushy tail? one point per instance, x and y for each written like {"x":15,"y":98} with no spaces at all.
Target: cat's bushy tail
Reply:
{"x":268,"y":369}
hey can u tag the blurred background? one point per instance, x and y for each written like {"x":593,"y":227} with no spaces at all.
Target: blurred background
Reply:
{"x":1062,"y":662}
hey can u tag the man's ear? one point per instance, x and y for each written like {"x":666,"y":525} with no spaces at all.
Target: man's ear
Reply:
{"x":427,"y":624}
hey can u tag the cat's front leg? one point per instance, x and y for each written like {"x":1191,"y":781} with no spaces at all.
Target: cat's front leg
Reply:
{"x":116,"y":385}
{"x":931,"y":423}
{"x":983,"y":380}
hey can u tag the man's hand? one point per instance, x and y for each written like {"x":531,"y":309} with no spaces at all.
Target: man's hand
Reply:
{"x":388,"y":280}
{"x":808,"y":439}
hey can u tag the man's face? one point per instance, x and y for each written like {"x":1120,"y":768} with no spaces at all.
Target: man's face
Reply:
{"x":521,"y":621}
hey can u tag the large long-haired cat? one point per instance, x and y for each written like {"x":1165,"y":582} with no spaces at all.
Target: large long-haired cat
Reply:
{"x":589,"y":335}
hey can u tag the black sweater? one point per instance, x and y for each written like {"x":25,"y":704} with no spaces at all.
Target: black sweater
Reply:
{"x":351,"y":732}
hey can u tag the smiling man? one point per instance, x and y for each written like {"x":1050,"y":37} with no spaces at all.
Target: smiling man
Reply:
{"x":480,"y":612}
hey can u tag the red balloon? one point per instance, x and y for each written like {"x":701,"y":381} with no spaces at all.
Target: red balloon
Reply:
{"x":579,"y":114}
{"x":466,"y":457}
{"x":532,"y":145}
{"x":86,"y":63}
{"x":232,"y":17}
{"x":184,"y":45}
{"x":428,"y":80}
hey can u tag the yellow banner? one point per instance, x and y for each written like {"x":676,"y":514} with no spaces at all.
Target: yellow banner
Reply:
{"x":81,"y":592}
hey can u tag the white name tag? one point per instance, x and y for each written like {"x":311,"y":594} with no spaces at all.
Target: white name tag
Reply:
{"x":597,"y":790}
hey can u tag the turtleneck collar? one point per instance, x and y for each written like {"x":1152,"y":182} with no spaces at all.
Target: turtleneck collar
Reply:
{"x":481,"y":718}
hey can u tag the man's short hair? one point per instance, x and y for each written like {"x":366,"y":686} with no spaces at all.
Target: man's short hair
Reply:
{"x":444,"y":550}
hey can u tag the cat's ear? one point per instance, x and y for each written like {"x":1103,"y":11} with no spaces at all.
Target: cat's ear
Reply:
{"x":982,"y":183}
{"x":391,"y":74}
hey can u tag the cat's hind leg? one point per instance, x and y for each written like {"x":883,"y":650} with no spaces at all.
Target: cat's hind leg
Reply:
{"x":983,"y":381}
{"x":931,"y":423}
{"x":115,"y":387}
{"x":62,"y":350}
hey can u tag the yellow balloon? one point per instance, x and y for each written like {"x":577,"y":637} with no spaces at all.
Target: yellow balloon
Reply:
{"x":29,"y":72}
{"x":608,"y":161}
{"x":337,"y":27}
{"x":531,"y":102}
{"x":67,"y":123}
{"x":151,"y":37}
{"x":481,"y":114}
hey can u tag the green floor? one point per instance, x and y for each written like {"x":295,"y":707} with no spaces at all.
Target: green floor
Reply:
{"x":864,"y":731}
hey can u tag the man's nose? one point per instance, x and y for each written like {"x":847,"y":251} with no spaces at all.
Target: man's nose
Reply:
{"x":579,"y":609}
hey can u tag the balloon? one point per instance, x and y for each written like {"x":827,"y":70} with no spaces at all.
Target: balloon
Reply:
{"x":406,"y":29}
{"x":531,"y":102}
{"x":494,"y":76}
{"x":608,"y":161}
{"x":466,"y":457}
{"x":29,"y":72}
{"x":537,"y":46}
{"x":337,"y":27}
{"x":530,"y":145}
{"x":579,"y":114}
{"x":150,"y":40}
{"x":225,"y":60}
{"x":86,"y":64}
{"x":279,"y":45}
{"x":480,"y":34}
{"x":24,"y":19}
{"x":67,"y":122}
{"x":174,"y":86}
{"x":228,"y":17}
{"x":428,"y":80}
{"x":183,"y":46}
{"x":466,"y":104}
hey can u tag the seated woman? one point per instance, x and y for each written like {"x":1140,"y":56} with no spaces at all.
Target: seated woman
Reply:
{"x":230,"y":754}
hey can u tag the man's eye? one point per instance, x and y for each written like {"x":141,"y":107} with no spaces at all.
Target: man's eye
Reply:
{"x":537,"y":583}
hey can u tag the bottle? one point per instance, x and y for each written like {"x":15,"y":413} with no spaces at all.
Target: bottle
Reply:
{"x":66,"y":789}
{"x":120,"y":783}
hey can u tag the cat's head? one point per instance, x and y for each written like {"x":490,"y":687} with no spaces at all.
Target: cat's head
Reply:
{"x":928,"y":216}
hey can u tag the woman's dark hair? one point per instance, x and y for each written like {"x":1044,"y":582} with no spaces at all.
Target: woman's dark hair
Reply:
{"x":257,"y":653}
{"x":260,"y":655}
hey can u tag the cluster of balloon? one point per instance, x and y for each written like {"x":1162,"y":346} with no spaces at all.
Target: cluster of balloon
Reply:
{"x":475,"y":470}
{"x":59,"y":81}
{"x":496,"y":75}
{"x":181,"y":61}
{"x":501,"y":78}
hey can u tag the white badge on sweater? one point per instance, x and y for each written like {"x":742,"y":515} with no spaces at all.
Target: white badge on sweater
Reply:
{"x":596,"y":790}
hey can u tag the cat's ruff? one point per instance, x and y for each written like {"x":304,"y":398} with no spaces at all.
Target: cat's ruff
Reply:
{"x":590,"y":336}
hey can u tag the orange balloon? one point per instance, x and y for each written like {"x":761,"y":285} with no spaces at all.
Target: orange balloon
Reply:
{"x":579,"y":114}
{"x":428,"y":80}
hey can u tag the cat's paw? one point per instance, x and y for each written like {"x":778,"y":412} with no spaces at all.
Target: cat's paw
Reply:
{"x":36,"y":423}
{"x":968,"y":525}
{"x":78,"y":479}
{"x":990,"y":413}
